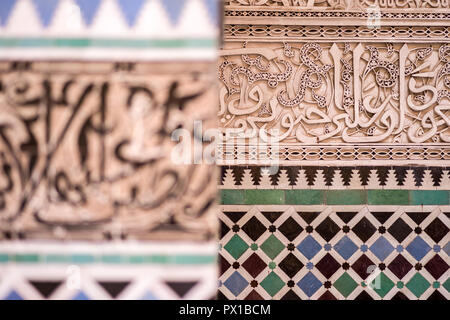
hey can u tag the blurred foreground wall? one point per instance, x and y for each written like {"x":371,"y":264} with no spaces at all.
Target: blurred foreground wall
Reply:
{"x":95,"y":96}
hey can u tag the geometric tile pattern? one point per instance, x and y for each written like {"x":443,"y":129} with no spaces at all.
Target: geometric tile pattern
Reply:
{"x":103,"y":271}
{"x":337,"y":177}
{"x":334,"y":252}
{"x":109,"y":29}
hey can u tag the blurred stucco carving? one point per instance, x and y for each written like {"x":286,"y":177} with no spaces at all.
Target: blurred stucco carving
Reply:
{"x":82,"y":151}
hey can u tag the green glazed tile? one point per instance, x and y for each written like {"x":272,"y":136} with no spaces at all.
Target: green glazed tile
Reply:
{"x":272,"y":284}
{"x":198,"y":259}
{"x":345,"y":284}
{"x":82,"y":258}
{"x":112,"y":258}
{"x":264,"y":197}
{"x":54,"y":258}
{"x":446,"y":285}
{"x":136,"y":259}
{"x":346,"y":197}
{"x":272,"y":247}
{"x":430,"y":197}
{"x":230,"y":197}
{"x":236,"y":246}
{"x":418,"y":285}
{"x":388,"y":197}
{"x":26,"y":258}
{"x":159,"y":259}
{"x":306,"y":197}
{"x":382,"y":285}
{"x":4,"y":258}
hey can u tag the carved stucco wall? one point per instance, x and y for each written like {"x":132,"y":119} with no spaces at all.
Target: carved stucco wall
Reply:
{"x":335,"y":159}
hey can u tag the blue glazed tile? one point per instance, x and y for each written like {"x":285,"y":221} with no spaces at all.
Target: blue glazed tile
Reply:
{"x":13,"y":295}
{"x":5,"y":10}
{"x":381,"y":248}
{"x":309,"y":247}
{"x":46,"y":10}
{"x":130,"y":9}
{"x":88,"y":9}
{"x":418,"y":248}
{"x":213,"y":10}
{"x":174,"y":8}
{"x":149,"y":296}
{"x":345,"y":247}
{"x":81,"y":296}
{"x":236,"y":283}
{"x":447,"y":248}
{"x":309,"y":284}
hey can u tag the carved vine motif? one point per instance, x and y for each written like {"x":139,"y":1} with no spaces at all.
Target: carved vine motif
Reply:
{"x":101,"y":144}
{"x":344,"y":4}
{"x":334,"y":93}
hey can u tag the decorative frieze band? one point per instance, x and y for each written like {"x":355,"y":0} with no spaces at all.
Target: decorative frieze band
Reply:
{"x":315,"y":177}
{"x":333,"y":18}
{"x":342,"y":4}
{"x":346,"y":154}
{"x":273,"y":32}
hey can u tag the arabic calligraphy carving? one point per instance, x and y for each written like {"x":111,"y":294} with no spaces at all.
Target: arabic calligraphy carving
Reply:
{"x":101,"y":143}
{"x":337,"y":92}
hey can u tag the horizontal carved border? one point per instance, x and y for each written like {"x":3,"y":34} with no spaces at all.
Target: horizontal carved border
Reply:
{"x":349,"y":155}
{"x":412,"y":5}
{"x":238,"y":32}
{"x":395,"y":15}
